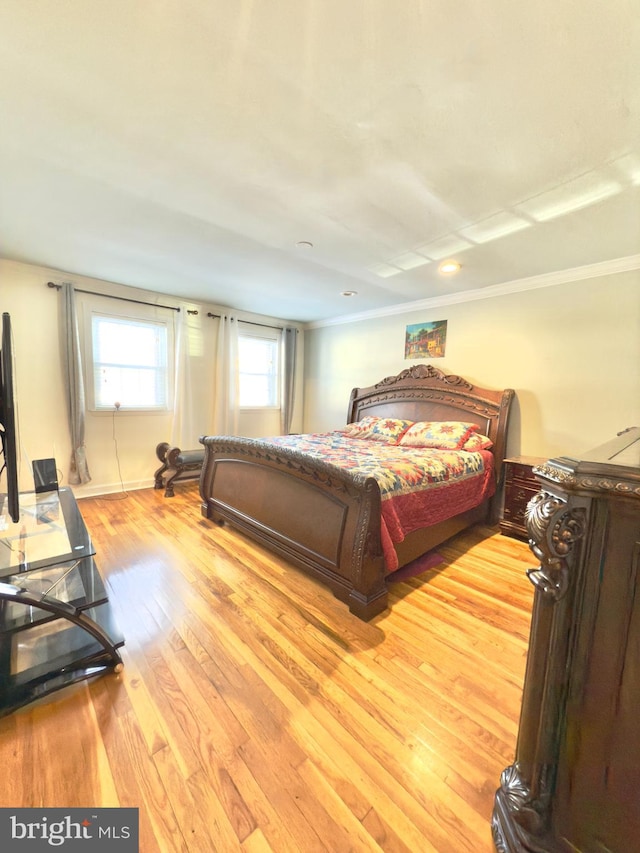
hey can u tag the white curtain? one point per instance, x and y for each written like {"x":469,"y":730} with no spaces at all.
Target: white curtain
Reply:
{"x":226,"y":404}
{"x":74,"y":382}
{"x":289,"y":345}
{"x":185,"y":428}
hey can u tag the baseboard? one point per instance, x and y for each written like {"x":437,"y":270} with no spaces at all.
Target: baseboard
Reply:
{"x":93,"y":490}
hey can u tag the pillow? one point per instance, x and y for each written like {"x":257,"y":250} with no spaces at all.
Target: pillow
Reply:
{"x":441,"y":435}
{"x":477,"y":441}
{"x":389,"y":430}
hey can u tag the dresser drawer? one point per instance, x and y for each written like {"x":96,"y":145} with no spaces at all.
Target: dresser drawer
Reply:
{"x":523,"y":473}
{"x":520,"y":486}
{"x":515,"y":507}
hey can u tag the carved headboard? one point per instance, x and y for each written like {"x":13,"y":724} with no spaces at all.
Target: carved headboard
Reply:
{"x":425,"y":393}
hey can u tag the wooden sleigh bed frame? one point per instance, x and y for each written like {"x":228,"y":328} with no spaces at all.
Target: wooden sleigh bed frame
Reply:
{"x":328,"y":522}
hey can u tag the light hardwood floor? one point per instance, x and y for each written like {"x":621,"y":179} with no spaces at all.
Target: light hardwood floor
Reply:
{"x":255,"y":713}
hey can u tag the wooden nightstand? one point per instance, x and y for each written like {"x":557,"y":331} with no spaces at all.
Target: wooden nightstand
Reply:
{"x":520,"y":485}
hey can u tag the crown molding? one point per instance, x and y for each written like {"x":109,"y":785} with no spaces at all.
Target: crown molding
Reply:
{"x":603,"y":268}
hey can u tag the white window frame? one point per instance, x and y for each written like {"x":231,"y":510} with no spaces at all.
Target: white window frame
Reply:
{"x":135,"y":315}
{"x":249,"y":331}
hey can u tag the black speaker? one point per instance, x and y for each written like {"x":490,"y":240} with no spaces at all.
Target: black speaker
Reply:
{"x":45,"y":475}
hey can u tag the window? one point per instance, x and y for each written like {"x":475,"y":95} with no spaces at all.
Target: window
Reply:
{"x":259,"y":370}
{"x":130,"y":363}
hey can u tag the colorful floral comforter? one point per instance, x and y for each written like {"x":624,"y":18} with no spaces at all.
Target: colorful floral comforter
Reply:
{"x":419,"y":487}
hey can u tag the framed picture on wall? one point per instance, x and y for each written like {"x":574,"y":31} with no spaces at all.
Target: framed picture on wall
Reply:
{"x":425,"y":340}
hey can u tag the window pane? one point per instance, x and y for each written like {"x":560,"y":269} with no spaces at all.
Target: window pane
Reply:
{"x":254,"y":391}
{"x":127,"y":343}
{"x":129,"y":363}
{"x":255,"y":354}
{"x":129,"y":386}
{"x":258,"y":365}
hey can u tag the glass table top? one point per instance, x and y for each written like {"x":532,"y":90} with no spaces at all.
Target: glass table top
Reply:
{"x":50,"y":530}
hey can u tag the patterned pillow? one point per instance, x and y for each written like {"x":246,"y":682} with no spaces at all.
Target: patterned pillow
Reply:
{"x":477,"y":441}
{"x":388,"y":430}
{"x":440,"y":435}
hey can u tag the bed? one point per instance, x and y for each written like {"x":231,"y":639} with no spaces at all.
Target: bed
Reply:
{"x":336,"y":523}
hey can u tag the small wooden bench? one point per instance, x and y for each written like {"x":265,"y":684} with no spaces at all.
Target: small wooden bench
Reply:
{"x":176,"y":465}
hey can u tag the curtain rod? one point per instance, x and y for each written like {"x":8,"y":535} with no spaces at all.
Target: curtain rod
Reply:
{"x":250,"y":322}
{"x":156,"y":305}
{"x":121,"y":298}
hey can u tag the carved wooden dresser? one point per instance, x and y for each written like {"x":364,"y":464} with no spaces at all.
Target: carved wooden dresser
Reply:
{"x":575,"y":782}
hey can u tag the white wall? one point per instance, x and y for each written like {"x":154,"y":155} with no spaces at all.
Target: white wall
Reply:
{"x":570,"y":351}
{"x":129,"y":461}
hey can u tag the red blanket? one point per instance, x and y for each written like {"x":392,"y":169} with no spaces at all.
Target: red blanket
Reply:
{"x":419,"y":487}
{"x":403,"y":514}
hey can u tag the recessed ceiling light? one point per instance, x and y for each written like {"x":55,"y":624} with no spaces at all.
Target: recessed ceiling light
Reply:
{"x":304,"y":244}
{"x":449,"y":267}
{"x":349,"y":293}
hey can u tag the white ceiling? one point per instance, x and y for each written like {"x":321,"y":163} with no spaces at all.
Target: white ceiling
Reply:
{"x":187,"y":146}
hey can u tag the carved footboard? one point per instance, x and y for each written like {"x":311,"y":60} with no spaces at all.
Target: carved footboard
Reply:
{"x":325,"y":521}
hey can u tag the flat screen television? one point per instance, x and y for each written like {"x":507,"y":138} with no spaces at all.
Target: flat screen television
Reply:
{"x":8,"y":421}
